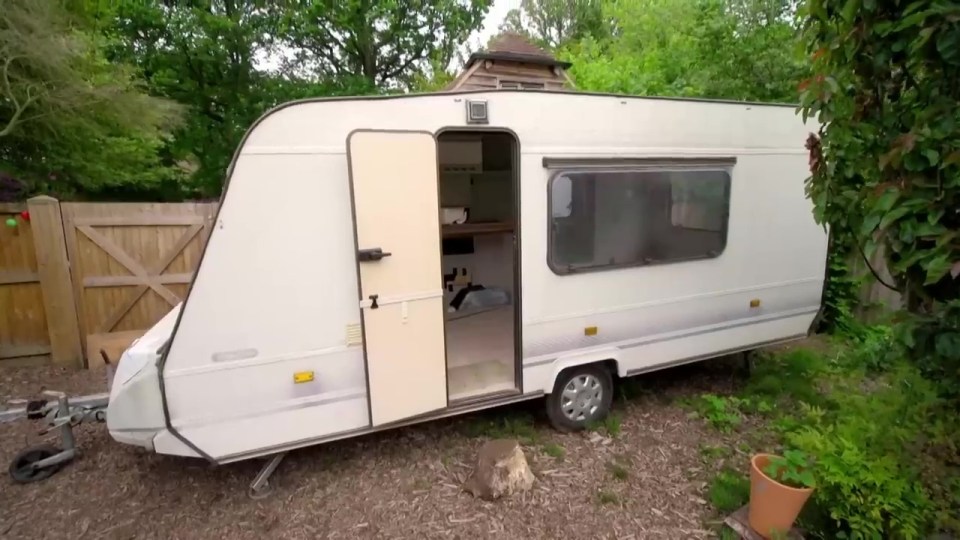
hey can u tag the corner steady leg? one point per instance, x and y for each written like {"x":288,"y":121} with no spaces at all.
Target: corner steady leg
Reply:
{"x":260,"y":487}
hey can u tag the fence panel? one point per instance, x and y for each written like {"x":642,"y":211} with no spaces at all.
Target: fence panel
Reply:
{"x":23,"y":321}
{"x":131,"y":262}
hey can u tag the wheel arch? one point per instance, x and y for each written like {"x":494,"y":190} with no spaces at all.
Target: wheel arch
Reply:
{"x":608,"y":358}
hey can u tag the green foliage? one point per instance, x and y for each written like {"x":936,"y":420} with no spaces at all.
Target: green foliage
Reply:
{"x":872,"y":431}
{"x":609,"y":425}
{"x":873,"y":349}
{"x":511,"y":426}
{"x":723,"y":413}
{"x":75,"y":118}
{"x":728,"y":491}
{"x":554,"y":23}
{"x":736,"y":49}
{"x":840,"y":291}
{"x":711,"y":453}
{"x":554,"y":450}
{"x":205,"y":55}
{"x":786,"y":376}
{"x":934,"y":341}
{"x":886,"y":164}
{"x":381,"y":41}
{"x":792,"y":469}
{"x":70,"y":119}
{"x":612,"y":424}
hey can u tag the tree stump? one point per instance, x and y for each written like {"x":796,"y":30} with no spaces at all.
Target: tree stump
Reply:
{"x":501,"y":470}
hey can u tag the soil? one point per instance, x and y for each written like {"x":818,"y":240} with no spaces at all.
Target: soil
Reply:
{"x":647,"y":481}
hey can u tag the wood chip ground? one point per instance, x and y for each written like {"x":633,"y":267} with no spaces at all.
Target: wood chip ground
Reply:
{"x":403,"y":483}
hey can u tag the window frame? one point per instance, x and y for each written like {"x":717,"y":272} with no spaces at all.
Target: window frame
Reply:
{"x":561,"y":167}
{"x":520,"y":84}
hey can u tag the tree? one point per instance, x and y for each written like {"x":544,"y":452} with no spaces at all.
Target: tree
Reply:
{"x":207,"y":55}
{"x":734,"y":49}
{"x":553,"y":23}
{"x":886,"y":160}
{"x":69,"y":119}
{"x":387,"y":43}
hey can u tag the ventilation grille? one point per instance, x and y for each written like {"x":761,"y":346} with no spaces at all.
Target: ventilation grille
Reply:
{"x":354,"y":335}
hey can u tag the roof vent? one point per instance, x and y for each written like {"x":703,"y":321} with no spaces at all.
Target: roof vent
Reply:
{"x":477,"y":112}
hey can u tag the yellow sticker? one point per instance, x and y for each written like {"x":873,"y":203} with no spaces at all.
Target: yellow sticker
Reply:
{"x":590,"y":331}
{"x":302,"y":377}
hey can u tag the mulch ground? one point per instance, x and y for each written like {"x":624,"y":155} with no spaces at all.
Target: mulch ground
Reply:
{"x":648,"y":481}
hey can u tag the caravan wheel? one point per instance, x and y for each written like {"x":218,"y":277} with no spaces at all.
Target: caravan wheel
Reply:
{"x":582,"y":395}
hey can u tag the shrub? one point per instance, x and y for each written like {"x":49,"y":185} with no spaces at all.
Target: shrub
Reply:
{"x":723,"y":413}
{"x":728,"y":491}
{"x":792,"y":469}
{"x":864,"y":443}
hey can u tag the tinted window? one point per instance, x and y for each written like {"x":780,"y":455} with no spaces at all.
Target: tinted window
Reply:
{"x":622,"y":218}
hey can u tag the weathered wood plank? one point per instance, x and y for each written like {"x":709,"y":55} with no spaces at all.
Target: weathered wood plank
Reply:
{"x":26,"y":361}
{"x":129,"y":262}
{"x":53,"y":268}
{"x":12,"y":207}
{"x":13,"y":277}
{"x":138,"y":220}
{"x":12,"y":351}
{"x":130,"y":281}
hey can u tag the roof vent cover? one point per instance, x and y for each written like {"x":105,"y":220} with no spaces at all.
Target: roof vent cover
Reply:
{"x":477,"y":112}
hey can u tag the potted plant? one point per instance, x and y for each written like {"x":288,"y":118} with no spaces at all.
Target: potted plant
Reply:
{"x":779,"y":487}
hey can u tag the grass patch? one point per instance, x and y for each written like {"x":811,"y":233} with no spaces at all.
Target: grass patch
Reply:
{"x":607,"y":497}
{"x":618,"y":471}
{"x":609,"y":425}
{"x":713,"y":453}
{"x":554,"y":450}
{"x":728,"y":491}
{"x":519,"y":427}
{"x":721,"y":412}
{"x":790,"y":376}
{"x":726,"y":533}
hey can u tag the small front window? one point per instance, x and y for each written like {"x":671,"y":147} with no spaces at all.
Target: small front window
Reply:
{"x":521,"y":85}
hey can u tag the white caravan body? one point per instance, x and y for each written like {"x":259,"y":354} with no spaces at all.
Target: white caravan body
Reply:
{"x":297,"y":331}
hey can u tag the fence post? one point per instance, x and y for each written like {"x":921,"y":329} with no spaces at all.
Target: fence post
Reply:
{"x":54,"y":270}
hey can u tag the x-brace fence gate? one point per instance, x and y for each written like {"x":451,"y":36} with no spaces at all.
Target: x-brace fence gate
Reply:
{"x":131,"y":262}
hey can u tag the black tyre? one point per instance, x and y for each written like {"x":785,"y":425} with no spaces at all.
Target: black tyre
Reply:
{"x":581,"y":396}
{"x":20,"y":467}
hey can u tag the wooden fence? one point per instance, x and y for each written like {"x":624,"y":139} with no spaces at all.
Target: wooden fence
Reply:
{"x":72,"y":274}
{"x":23,"y":318}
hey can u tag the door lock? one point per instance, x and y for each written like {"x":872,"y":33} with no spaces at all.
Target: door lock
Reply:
{"x":371,"y":254}
{"x":373,"y":301}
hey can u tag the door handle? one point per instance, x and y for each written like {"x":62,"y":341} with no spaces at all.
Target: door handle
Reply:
{"x":371,"y":254}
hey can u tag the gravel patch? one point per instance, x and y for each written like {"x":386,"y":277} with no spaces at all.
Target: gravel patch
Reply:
{"x":648,"y":481}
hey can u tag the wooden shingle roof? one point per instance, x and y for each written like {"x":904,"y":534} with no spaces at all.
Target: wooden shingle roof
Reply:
{"x":514,"y":47}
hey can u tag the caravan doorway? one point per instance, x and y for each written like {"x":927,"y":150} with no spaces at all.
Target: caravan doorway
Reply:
{"x":479,"y":200}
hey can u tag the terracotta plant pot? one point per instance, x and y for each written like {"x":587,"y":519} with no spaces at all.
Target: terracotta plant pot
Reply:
{"x":773,"y":506}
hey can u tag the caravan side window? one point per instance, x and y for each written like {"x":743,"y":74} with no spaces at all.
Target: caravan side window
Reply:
{"x":610,"y":219}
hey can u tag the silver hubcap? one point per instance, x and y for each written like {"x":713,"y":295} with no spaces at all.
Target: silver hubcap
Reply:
{"x":581,"y":397}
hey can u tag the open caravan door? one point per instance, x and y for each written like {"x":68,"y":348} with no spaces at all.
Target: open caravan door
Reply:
{"x":394,"y":183}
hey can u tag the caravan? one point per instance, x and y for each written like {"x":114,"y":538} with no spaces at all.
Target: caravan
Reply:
{"x":382,"y":261}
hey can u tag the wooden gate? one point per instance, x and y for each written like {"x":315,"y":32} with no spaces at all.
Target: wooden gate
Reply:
{"x":131,"y":262}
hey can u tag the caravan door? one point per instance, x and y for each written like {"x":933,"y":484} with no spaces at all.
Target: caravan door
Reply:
{"x":394,"y":183}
